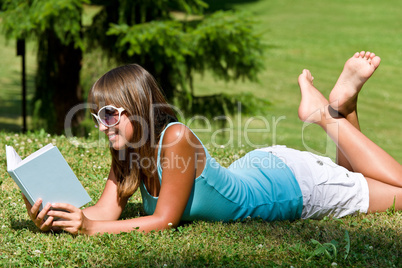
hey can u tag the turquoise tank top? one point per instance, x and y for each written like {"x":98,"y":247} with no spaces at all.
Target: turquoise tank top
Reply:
{"x":256,"y":185}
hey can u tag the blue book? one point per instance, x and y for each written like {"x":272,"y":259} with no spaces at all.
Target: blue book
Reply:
{"x":46,"y":174}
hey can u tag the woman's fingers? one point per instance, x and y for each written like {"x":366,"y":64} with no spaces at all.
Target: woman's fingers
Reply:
{"x":40,"y":217}
{"x":71,"y":218}
{"x":47,"y":225}
{"x":65,"y":212}
{"x":66,"y":207}
{"x":33,"y":210}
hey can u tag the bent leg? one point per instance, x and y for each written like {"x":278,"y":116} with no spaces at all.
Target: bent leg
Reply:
{"x":343,"y":97}
{"x":382,"y":196}
{"x":363,"y":155}
{"x":341,"y":159}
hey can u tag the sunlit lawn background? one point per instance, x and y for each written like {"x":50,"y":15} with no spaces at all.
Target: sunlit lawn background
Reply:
{"x":318,"y":35}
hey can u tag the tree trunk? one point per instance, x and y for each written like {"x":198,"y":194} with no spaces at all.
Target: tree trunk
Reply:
{"x":57,"y":83}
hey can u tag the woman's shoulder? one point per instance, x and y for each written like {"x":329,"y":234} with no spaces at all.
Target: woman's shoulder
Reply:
{"x":179,"y":134}
{"x":176,"y":133}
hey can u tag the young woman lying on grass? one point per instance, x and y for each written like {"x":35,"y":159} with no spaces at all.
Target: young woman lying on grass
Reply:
{"x":182,"y":182}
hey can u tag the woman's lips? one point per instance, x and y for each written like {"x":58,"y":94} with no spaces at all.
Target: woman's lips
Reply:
{"x":112,"y":136}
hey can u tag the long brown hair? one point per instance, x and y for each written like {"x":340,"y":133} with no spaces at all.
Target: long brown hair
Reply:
{"x":134,"y":89}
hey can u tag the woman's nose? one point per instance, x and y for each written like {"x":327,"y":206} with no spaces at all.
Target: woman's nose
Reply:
{"x":102,"y":127}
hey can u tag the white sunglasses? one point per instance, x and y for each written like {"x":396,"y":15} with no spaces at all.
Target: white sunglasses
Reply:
{"x":107,"y":115}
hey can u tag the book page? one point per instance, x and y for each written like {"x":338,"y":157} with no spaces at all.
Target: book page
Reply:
{"x":36,"y":154}
{"x":13,"y":159}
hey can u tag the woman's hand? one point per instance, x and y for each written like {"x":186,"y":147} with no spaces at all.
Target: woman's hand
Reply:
{"x":70,"y":218}
{"x":39,"y":217}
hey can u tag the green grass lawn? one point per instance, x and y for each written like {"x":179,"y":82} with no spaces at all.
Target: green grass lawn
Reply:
{"x":318,"y":35}
{"x":362,"y":240}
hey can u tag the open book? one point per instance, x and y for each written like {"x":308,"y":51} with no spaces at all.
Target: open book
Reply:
{"x":46,"y":174}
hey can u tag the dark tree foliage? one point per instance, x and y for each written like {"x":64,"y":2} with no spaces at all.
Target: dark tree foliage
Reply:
{"x":171,"y":39}
{"x":174,"y":39}
{"x":56,"y":27}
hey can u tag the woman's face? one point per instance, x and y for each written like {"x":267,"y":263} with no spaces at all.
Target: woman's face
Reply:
{"x":119,"y":135}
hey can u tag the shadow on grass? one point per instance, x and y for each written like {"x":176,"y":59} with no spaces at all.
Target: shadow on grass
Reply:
{"x":132,"y":210}
{"x":11,"y":101}
{"x":215,"y":5}
{"x":18,"y":224}
{"x":373,"y":242}
{"x":8,"y":127}
{"x":277,"y":243}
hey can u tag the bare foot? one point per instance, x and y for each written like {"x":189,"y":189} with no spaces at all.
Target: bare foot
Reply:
{"x":357,"y":70}
{"x":313,"y":104}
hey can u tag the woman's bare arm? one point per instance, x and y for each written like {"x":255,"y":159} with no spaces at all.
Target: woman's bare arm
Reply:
{"x":177,"y":182}
{"x":110,"y":205}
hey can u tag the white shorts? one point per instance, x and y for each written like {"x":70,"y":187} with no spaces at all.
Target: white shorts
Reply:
{"x":327,"y":188}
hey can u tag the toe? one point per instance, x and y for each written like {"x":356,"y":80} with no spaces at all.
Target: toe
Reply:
{"x":376,"y":61}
